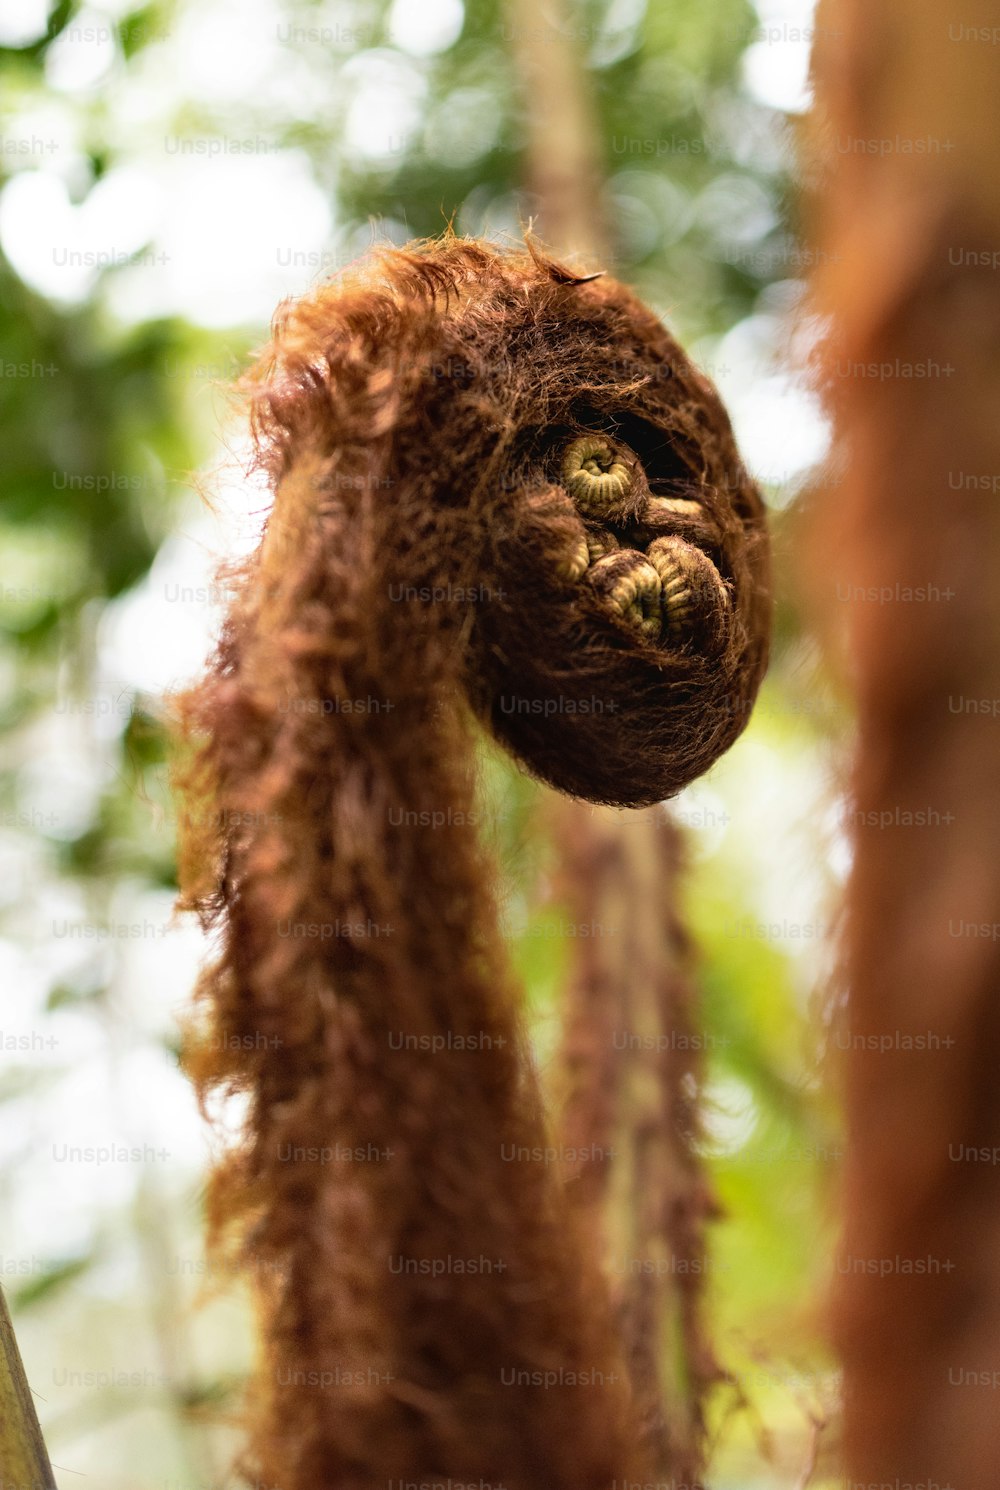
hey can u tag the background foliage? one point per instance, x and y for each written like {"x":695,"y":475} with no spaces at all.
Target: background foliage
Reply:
{"x":167,"y":173}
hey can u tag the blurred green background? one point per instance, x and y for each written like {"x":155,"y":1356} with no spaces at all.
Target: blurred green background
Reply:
{"x":167,"y":174}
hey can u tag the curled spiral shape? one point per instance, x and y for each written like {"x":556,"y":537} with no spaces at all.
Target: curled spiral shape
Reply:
{"x":626,"y":557}
{"x":499,"y":490}
{"x":489,"y":426}
{"x":653,"y":591}
{"x":593,"y":476}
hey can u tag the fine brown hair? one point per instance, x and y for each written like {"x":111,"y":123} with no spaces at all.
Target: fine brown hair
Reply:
{"x":501,"y":491}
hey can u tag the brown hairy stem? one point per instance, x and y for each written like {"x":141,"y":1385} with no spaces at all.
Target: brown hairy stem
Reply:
{"x":429,"y":1307}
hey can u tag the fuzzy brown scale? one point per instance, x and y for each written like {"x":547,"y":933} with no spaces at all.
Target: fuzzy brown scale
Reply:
{"x":422,"y":553}
{"x":631,"y":694}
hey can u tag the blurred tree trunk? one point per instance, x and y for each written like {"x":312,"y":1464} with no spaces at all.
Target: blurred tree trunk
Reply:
{"x":909,"y":238}
{"x":563,"y":166}
{"x":628,"y":1069}
{"x":23,"y":1458}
